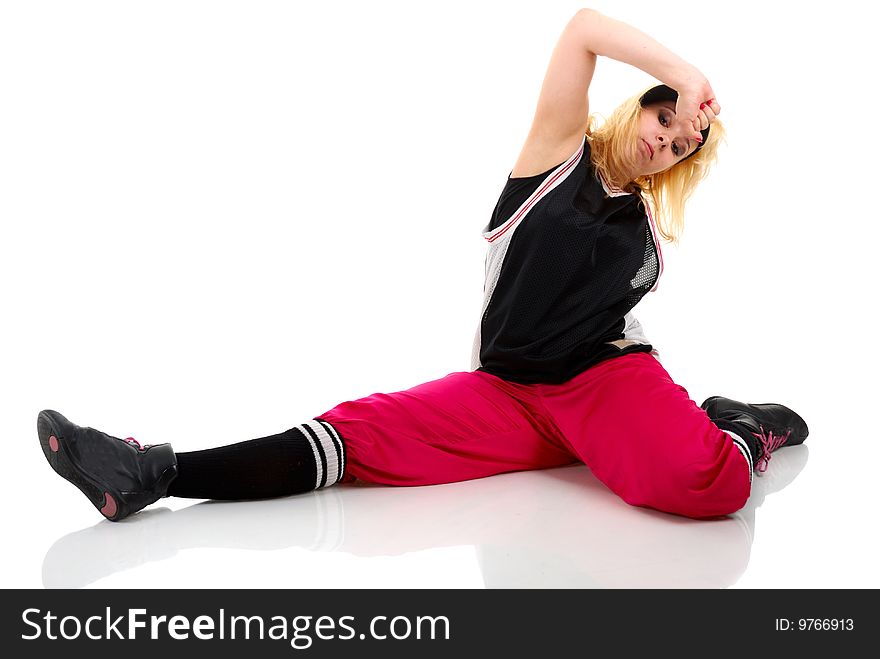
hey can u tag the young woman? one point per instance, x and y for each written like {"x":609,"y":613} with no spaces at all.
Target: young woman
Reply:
{"x":561,"y":370}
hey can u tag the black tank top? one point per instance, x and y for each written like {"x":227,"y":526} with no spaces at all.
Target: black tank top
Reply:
{"x":568,"y":259}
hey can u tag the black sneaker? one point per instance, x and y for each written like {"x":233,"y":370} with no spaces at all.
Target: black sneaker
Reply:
{"x":773,"y":425}
{"x":119,"y":476}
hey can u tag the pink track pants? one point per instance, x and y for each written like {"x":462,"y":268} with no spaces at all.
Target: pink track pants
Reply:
{"x":637,"y":430}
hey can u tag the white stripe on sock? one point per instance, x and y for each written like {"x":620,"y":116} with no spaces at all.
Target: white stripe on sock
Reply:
{"x":329,"y":426}
{"x":740,"y":443}
{"x":330,"y":452}
{"x":318,"y":470}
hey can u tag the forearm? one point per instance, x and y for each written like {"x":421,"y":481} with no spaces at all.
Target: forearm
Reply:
{"x":608,"y":37}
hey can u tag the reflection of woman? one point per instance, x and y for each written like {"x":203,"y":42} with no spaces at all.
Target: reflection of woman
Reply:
{"x":520,"y":526}
{"x":562,"y":369}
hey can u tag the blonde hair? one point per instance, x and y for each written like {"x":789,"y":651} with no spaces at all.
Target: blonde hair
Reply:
{"x":668,"y":191}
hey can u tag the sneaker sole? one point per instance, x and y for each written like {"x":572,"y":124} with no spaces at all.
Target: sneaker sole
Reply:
{"x":54,"y":445}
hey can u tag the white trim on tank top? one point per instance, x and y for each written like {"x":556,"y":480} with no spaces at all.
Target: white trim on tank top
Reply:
{"x":617,"y":192}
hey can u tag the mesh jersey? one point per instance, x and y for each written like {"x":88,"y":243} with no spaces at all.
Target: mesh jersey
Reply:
{"x":568,"y":259}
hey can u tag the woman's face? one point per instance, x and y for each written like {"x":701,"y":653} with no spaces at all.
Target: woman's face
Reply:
{"x":663,"y":141}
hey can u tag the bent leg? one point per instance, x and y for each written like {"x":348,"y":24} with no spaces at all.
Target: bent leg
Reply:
{"x":462,"y":426}
{"x":642,"y":435}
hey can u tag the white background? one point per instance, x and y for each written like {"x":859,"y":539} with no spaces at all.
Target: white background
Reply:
{"x":221,"y":219}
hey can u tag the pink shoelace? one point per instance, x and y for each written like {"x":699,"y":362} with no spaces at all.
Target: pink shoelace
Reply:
{"x":136,"y":443}
{"x":770,"y":443}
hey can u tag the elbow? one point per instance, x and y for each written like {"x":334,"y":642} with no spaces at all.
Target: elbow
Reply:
{"x":587,"y":24}
{"x":586,"y":12}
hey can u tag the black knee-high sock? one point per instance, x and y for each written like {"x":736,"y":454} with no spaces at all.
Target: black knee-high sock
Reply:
{"x":303,"y":458}
{"x":743,"y":438}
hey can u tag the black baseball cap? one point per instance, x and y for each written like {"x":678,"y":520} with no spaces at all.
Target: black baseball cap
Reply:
{"x":666,"y":93}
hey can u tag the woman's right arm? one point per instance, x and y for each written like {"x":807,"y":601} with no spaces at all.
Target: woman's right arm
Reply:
{"x":608,"y":37}
{"x":563,"y":106}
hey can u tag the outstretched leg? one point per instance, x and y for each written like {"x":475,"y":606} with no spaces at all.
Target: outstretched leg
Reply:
{"x":463,"y":426}
{"x":120,"y":476}
{"x":307,"y":457}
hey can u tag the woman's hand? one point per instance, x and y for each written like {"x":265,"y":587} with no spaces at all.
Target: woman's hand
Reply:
{"x":697,"y":106}
{"x":605,"y":36}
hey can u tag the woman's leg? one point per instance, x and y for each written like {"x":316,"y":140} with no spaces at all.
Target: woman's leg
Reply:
{"x":307,"y":457}
{"x":642,"y":435}
{"x":465,"y":425}
{"x":462,"y":426}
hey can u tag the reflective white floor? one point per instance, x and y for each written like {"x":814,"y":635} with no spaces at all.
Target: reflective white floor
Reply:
{"x":555,"y":528}
{"x":808,"y":523}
